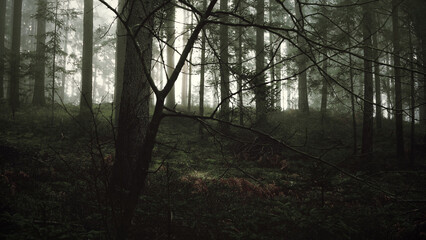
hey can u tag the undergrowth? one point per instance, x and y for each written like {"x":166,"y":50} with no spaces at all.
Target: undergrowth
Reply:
{"x":54,"y":176}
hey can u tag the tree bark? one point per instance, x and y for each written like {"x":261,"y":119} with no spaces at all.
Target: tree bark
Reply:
{"x":40,"y":61}
{"x":260,"y":89}
{"x":15,"y":56}
{"x":133,"y":121}
{"x":170,"y":34}
{"x":367,"y":125}
{"x":86,"y":71}
{"x":302,"y":63}
{"x":224,"y":71}
{"x":324,"y":90}
{"x":119,"y":62}
{"x":202,"y":71}
{"x":2,"y":48}
{"x":377,"y":83}
{"x":239,"y":62}
{"x":398,"y":88}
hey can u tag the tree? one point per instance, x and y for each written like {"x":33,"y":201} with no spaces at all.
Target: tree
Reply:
{"x":86,"y":70}
{"x":136,"y":130}
{"x":185,"y":69}
{"x":202,"y":70}
{"x":367,"y":124}
{"x":119,"y":59}
{"x":224,"y":71}
{"x":301,"y":61}
{"x":397,"y":71}
{"x":2,"y":48}
{"x":170,"y":35}
{"x":15,"y":58}
{"x":239,"y":61}
{"x":324,"y":90}
{"x":377,"y":84}
{"x":259,"y":81}
{"x":40,"y":62}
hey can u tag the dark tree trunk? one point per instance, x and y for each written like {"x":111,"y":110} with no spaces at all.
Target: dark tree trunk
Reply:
{"x":15,"y":56}
{"x":132,"y":151}
{"x":224,"y":71}
{"x":86,"y":71}
{"x":260,"y":90}
{"x":136,"y":130}
{"x":398,"y":90}
{"x":324,"y":91}
{"x":40,"y":61}
{"x":170,"y":34}
{"x":2,"y":49}
{"x":367,"y":125}
{"x":239,"y":62}
{"x":202,"y":71}
{"x":377,"y":84}
{"x":120,"y":55}
{"x":302,"y":64}
{"x":412,"y":100}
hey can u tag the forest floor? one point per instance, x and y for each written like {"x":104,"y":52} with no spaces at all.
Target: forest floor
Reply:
{"x":53,"y":178}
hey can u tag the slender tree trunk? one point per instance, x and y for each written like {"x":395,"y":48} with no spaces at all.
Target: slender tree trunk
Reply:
{"x":260,"y":90}
{"x":367,"y":126}
{"x":302,"y":64}
{"x":423,"y":93}
{"x":202,"y":70}
{"x":190,"y":83}
{"x":412,"y":100}
{"x":86,"y":71}
{"x":40,"y":61}
{"x":378,"y":92}
{"x":2,"y":48}
{"x":224,"y":71}
{"x":120,"y":55}
{"x":398,"y":89}
{"x":15,"y":56}
{"x":354,"y":128}
{"x":170,"y":33}
{"x":239,"y":62}
{"x":184,"y":89}
{"x":324,"y":91}
{"x":271,"y":59}
{"x":64,"y":74}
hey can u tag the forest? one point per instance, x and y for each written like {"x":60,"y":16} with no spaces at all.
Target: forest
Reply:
{"x":212,"y":119}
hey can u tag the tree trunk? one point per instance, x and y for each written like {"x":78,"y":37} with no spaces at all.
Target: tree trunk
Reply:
{"x":64,"y":74}
{"x":170,"y":34}
{"x":2,"y":48}
{"x":120,"y":55}
{"x":367,"y":125}
{"x":86,"y":71}
{"x":15,"y":56}
{"x":412,"y":100}
{"x":239,"y":62}
{"x":202,"y":71}
{"x":324,"y":91}
{"x":302,"y":63}
{"x":224,"y":71}
{"x":377,"y":76}
{"x":184,"y":89}
{"x":260,"y":89}
{"x":398,"y":90}
{"x":40,"y":61}
{"x":131,"y":163}
{"x":190,"y":82}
